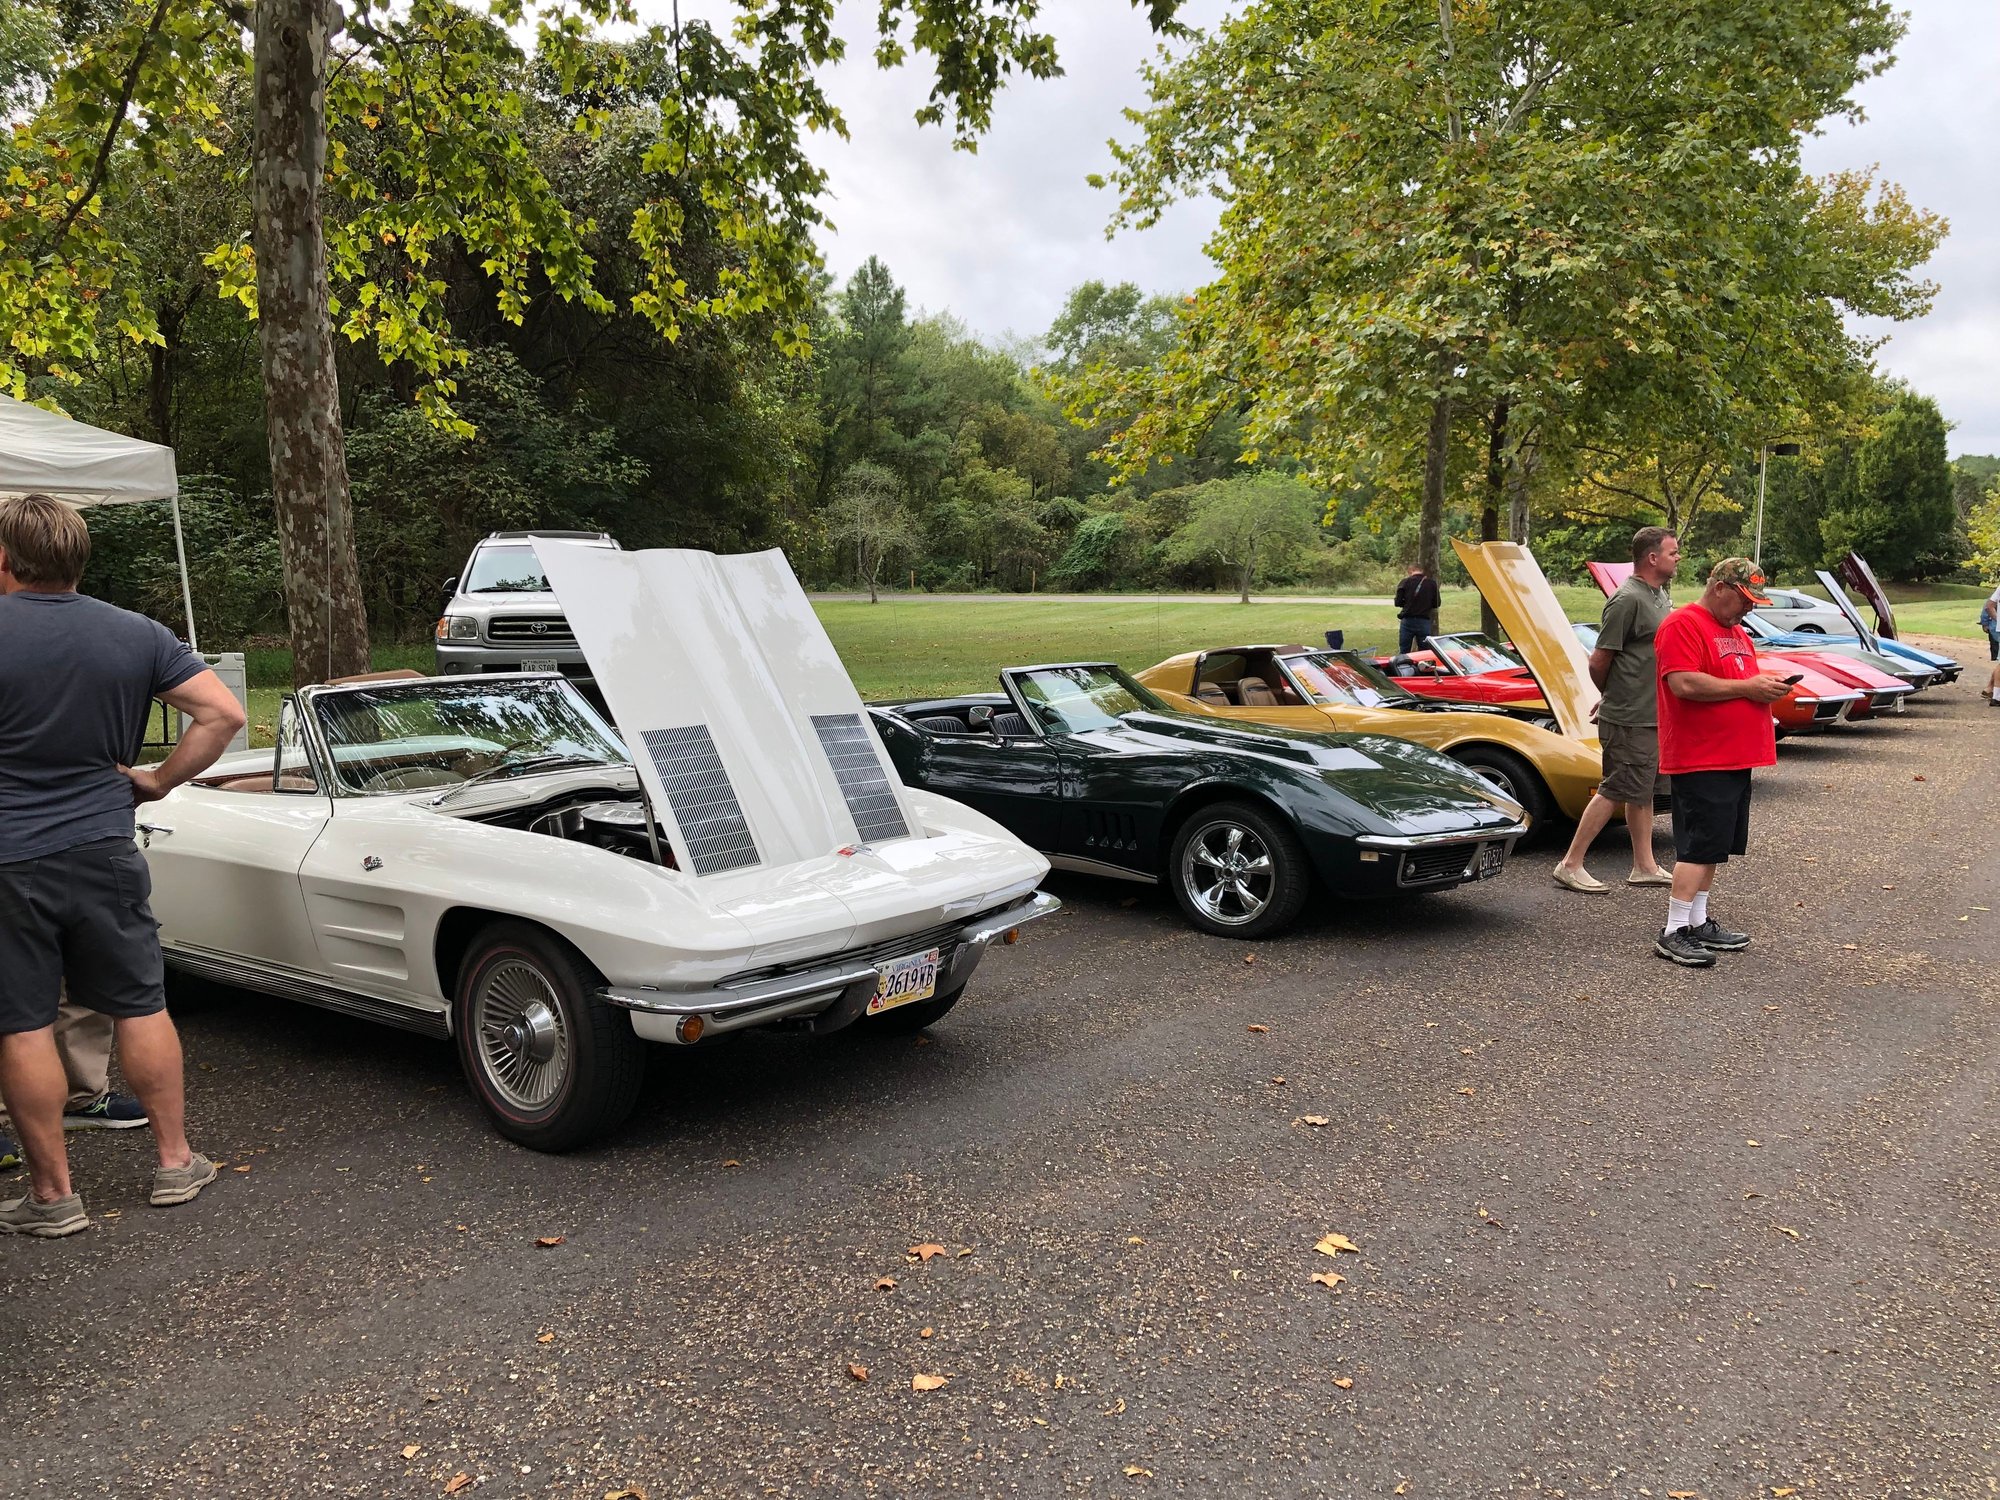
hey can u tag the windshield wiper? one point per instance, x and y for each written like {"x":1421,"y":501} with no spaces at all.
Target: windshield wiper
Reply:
{"x":545,"y":762}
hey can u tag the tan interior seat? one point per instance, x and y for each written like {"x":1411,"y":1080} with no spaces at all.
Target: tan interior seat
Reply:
{"x":1212,"y":693}
{"x":1255,"y":693}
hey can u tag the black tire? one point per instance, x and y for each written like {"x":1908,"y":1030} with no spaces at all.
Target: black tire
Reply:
{"x":517,"y":983}
{"x":907,"y":1020}
{"x":1283,"y":894}
{"x":1515,"y":777}
{"x":1810,"y":629}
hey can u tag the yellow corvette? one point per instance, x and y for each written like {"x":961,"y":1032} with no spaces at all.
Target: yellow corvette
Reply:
{"x":1293,"y":687}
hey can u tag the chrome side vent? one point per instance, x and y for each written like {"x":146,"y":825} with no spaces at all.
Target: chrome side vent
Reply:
{"x":701,"y":798}
{"x":863,"y":783}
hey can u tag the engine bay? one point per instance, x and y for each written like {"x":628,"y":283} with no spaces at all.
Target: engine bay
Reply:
{"x":613,"y":823}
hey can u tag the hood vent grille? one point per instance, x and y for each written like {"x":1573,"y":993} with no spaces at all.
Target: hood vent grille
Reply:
{"x":702,"y":800}
{"x":858,"y":769}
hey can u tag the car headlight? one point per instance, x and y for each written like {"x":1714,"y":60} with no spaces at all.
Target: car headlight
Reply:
{"x":458,"y":628}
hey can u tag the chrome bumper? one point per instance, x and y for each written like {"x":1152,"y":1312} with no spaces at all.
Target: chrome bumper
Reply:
{"x":1426,"y":840}
{"x":834,"y":995}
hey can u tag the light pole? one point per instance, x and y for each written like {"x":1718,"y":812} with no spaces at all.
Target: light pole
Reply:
{"x":1764,"y":452}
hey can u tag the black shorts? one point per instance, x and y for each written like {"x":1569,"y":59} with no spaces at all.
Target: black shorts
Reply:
{"x":1711,"y":815}
{"x":79,"y":915}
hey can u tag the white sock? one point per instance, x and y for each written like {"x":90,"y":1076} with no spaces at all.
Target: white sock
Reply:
{"x":1677,"y":914}
{"x":1698,"y":909}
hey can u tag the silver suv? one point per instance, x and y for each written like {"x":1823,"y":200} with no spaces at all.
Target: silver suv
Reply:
{"x":500,"y":615}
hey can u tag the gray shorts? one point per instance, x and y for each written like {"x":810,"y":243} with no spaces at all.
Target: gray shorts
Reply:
{"x":1631,"y":762}
{"x":79,"y":915}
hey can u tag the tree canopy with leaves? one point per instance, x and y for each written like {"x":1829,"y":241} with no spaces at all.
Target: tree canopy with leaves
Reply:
{"x":1469,"y":240}
{"x":385,"y":139}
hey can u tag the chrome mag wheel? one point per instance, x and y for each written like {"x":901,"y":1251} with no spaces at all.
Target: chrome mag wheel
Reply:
{"x":1228,"y":873}
{"x":524,"y":1046}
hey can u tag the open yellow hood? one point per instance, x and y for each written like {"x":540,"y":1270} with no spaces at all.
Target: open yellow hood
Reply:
{"x":1513,"y":583}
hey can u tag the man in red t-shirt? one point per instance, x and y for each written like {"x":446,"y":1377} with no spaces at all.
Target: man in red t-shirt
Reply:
{"x":1715,"y":725}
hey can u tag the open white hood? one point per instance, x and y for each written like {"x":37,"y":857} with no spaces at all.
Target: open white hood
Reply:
{"x":1846,"y":606}
{"x":748,"y":735}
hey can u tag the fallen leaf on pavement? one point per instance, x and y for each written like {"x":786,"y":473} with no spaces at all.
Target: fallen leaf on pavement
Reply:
{"x":1683,"y":1495}
{"x":1782,"y":1490}
{"x":1249,"y":958}
{"x":927,"y":1382}
{"x":1401,"y":1489}
{"x":858,"y":1372}
{"x":924,"y":1333}
{"x":1920,"y":778}
{"x":924,"y":1251}
{"x":413,"y":1450}
{"x":1134,"y":1239}
{"x":1753,"y":1143}
{"x":886,"y":1284}
{"x":457,"y":1482}
{"x":1469,"y":1092}
{"x":1343,"y":1382}
{"x":1117,"y":1410}
{"x":550,"y":1241}
{"x":545,"y":1338}
{"x":1850,"y":947}
{"x":1783,"y":1230}
{"x":1133,"y":1471}
{"x":1328,"y":1279}
{"x":630,"y":1492}
{"x":732,"y":1162}
{"x":963,"y":1253}
{"x":1259,"y":1029}
{"x":239,"y":1169}
{"x":1277,"y":1080}
{"x":1333,"y":1244}
{"x":1316,"y":1121}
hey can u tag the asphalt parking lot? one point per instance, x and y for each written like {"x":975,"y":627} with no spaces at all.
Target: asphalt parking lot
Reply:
{"x":1622,"y":1229}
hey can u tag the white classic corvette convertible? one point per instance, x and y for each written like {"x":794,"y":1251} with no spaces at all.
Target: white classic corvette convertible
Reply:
{"x":481,"y":858}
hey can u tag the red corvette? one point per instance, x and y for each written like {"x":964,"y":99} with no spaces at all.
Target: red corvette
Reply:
{"x":1469,"y":668}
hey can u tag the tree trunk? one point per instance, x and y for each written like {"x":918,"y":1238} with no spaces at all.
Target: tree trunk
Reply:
{"x":1489,"y":513}
{"x":1520,"y":472}
{"x":1437,"y":455}
{"x":329,"y":627}
{"x":1243,"y":582}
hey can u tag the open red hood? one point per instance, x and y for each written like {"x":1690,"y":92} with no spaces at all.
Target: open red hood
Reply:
{"x":1609,"y":575}
{"x":1854,"y":568}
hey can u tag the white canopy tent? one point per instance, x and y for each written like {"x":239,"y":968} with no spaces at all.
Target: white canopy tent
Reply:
{"x":41,"y":452}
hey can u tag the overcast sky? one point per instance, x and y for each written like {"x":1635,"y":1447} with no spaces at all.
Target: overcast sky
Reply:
{"x":1000,"y":237}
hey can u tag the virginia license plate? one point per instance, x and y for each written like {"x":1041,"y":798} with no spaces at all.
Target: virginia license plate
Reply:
{"x":905,"y":980}
{"x":539,"y":664}
{"x":1491,"y":858}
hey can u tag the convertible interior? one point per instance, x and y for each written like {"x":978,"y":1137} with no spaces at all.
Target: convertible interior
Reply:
{"x":988,"y":715}
{"x":1248,"y":678}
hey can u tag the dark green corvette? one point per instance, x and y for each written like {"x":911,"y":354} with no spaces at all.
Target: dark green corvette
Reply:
{"x":1093,"y":770}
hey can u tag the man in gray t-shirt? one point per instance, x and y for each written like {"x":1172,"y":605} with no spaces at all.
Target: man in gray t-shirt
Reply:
{"x":1628,"y":718}
{"x":77,"y":677}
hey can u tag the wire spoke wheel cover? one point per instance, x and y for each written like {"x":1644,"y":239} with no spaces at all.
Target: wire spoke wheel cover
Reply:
{"x":1228,"y":873}
{"x":521,"y":1041}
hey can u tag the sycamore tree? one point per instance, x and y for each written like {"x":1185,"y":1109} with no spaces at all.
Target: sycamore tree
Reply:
{"x":1248,"y":523}
{"x":386,"y":138}
{"x":1457,"y":238}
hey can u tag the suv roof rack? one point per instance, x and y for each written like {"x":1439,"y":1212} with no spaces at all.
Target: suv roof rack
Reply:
{"x":516,"y":536}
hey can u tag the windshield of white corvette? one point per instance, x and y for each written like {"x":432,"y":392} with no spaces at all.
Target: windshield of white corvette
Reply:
{"x":402,"y":737}
{"x":1071,"y":700}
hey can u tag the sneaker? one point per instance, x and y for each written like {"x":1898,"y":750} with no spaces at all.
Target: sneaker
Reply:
{"x":45,"y":1221}
{"x":11,"y":1159}
{"x":106,"y":1112}
{"x":173,"y":1185}
{"x":1650,"y":877}
{"x":1579,"y":880}
{"x":1712,"y":934}
{"x":1679,"y":946}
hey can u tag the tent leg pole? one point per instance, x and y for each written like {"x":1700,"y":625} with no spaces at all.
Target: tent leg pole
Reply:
{"x":187,"y":589}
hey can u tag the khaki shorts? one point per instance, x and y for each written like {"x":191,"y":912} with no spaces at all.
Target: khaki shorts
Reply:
{"x":1631,"y":762}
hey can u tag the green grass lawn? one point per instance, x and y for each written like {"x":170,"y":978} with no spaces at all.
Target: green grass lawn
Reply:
{"x":924,"y":645}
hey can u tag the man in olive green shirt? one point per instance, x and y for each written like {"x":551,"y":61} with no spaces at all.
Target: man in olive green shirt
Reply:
{"x":1628,"y":718}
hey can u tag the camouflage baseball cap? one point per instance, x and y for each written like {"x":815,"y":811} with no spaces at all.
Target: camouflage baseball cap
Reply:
{"x":1742,"y":575}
